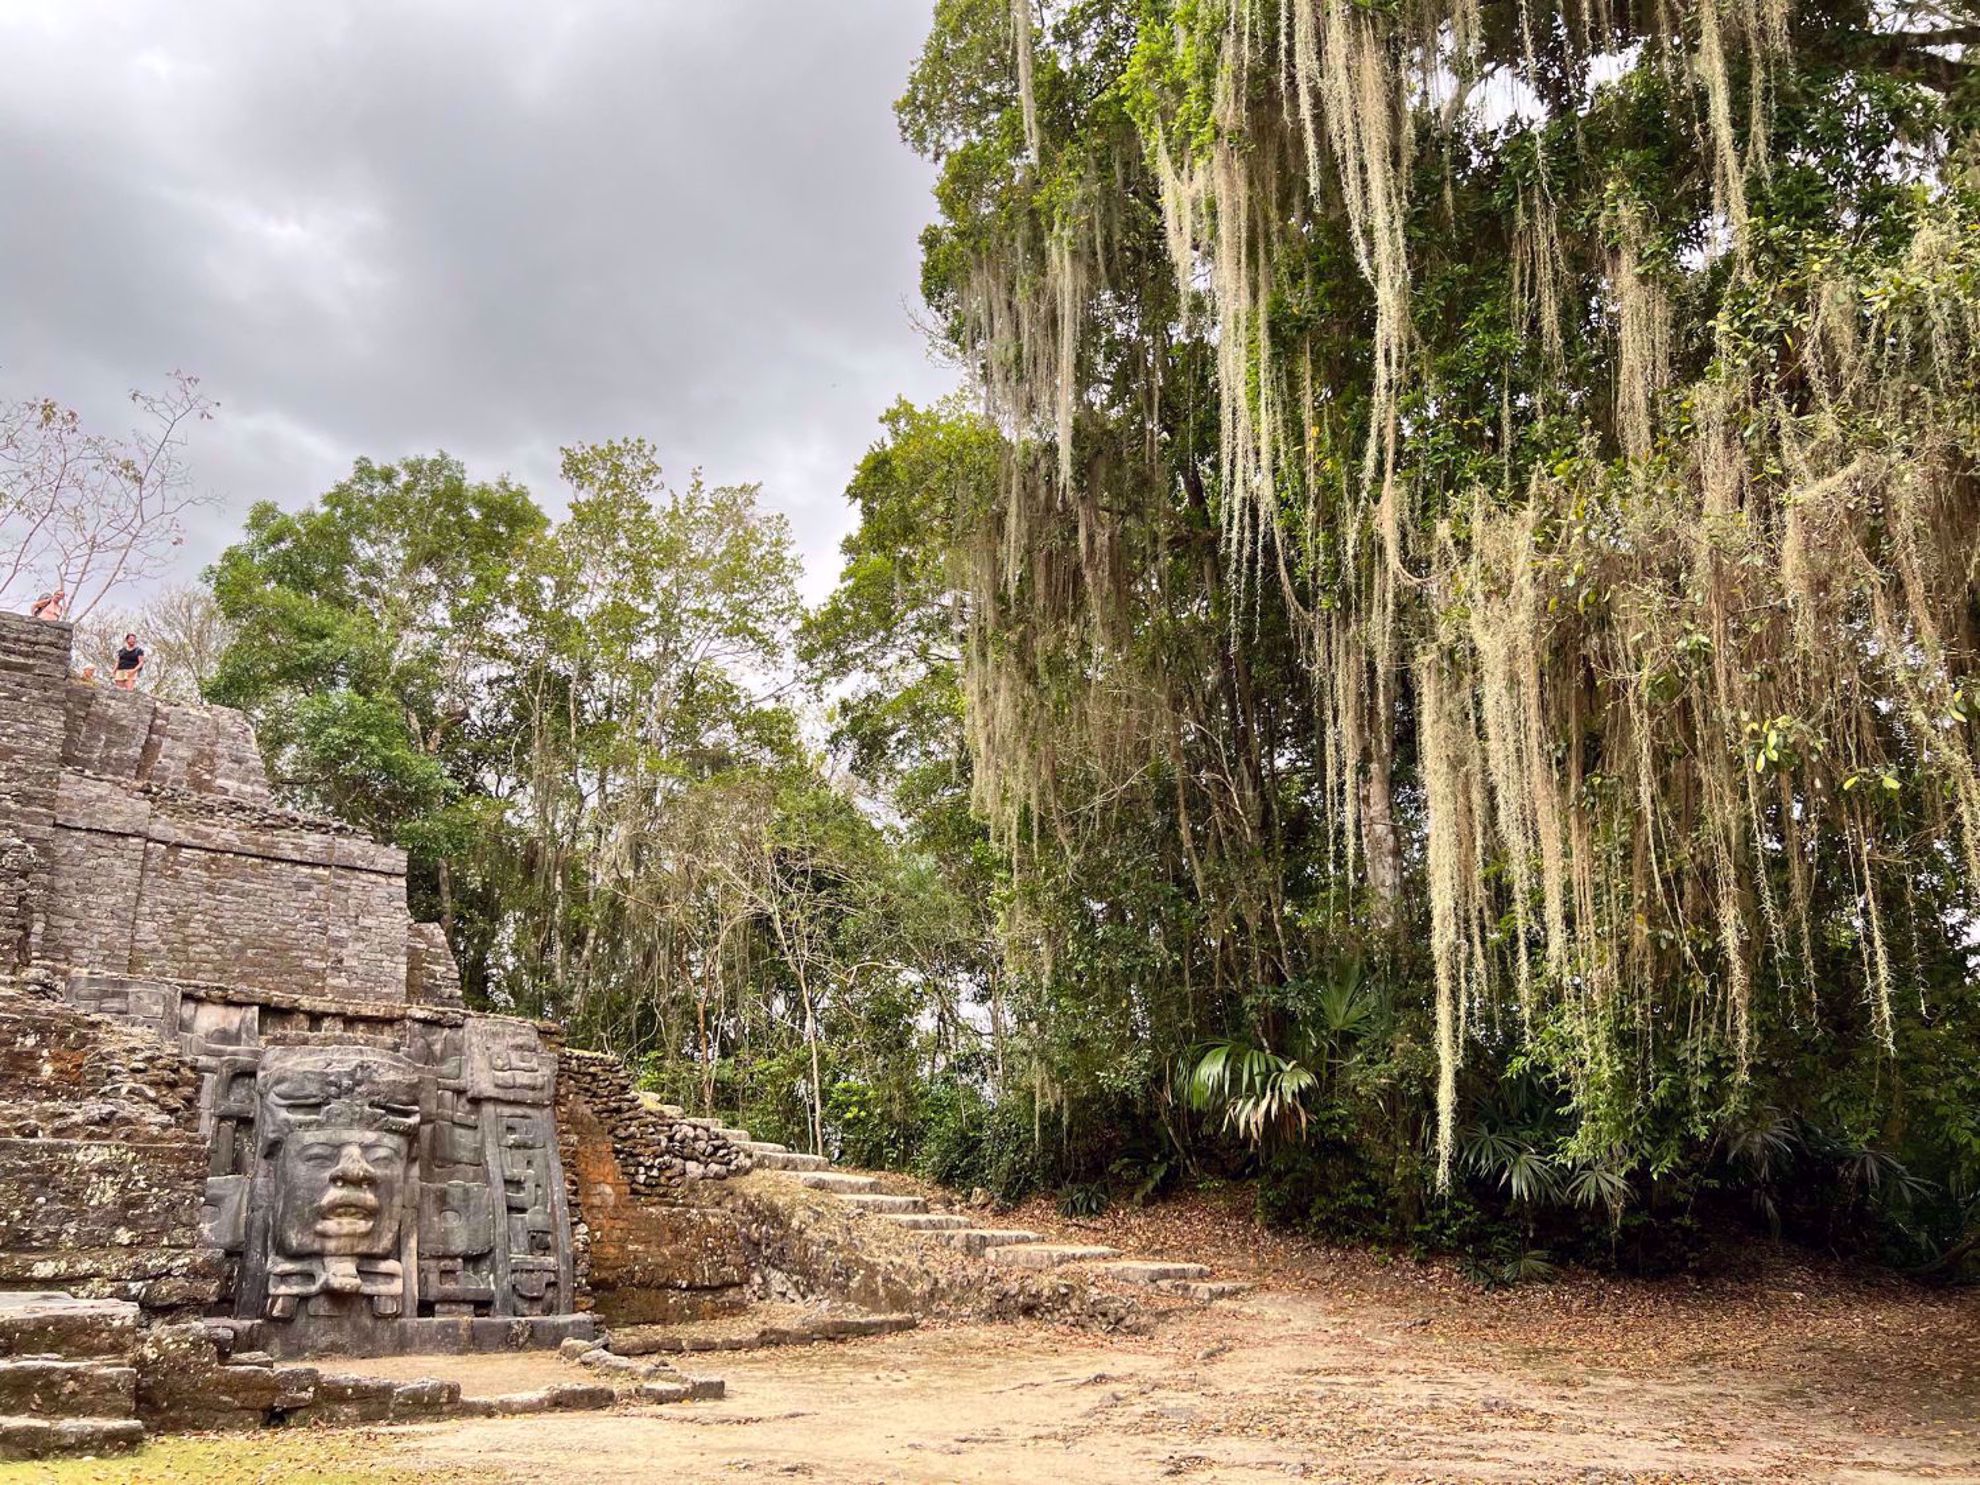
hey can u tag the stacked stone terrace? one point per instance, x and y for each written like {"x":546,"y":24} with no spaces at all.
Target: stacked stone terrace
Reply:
{"x":246,"y":1119}
{"x":377,"y":1169}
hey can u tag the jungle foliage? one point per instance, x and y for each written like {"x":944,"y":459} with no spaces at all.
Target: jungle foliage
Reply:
{"x":1470,"y":656}
{"x":580,"y":732}
{"x":1438,"y":667}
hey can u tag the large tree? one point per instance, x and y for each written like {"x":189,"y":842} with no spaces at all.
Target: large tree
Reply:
{"x":1489,"y":515}
{"x":366,"y":631}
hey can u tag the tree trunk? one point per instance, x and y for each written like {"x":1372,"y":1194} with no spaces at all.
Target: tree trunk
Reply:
{"x":1380,"y":844}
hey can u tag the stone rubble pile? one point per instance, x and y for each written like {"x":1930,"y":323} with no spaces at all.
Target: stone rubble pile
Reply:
{"x":67,"y":1382}
{"x":658,"y":1149}
{"x":68,"y":1076}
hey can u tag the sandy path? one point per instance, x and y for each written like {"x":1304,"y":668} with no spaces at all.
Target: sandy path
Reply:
{"x":1280,"y":1386}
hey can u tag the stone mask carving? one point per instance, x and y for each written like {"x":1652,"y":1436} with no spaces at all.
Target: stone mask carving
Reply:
{"x":337,"y":1126}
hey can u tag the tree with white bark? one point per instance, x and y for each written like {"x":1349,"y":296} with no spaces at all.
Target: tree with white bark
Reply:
{"x":90,"y":514}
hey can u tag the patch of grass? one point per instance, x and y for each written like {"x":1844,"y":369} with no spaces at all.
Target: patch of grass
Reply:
{"x":322,"y":1456}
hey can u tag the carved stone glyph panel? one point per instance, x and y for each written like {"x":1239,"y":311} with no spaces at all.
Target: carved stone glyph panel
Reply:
{"x":365,"y":1169}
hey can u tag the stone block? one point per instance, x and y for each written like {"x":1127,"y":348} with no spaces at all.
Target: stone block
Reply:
{"x":428,"y":1396}
{"x":51,"y":1323}
{"x":181,"y":1383}
{"x":48,"y":1388}
{"x":53,"y":1438}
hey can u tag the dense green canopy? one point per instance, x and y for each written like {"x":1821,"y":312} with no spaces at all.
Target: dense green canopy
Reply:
{"x":1436,"y":665}
{"x":1496,"y":478}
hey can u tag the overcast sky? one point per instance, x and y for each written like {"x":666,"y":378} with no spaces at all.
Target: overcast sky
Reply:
{"x":389,"y":226}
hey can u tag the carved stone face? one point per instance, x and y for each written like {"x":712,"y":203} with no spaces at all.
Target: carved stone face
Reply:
{"x":338,"y":1191}
{"x":338,"y":1123}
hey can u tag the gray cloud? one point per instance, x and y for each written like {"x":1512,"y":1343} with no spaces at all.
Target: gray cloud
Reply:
{"x":380,"y":228}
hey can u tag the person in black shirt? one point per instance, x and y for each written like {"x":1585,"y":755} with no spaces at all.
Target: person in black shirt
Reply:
{"x":130,"y":660}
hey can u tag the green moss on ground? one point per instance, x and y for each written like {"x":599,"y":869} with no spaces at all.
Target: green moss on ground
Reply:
{"x":271,"y":1457}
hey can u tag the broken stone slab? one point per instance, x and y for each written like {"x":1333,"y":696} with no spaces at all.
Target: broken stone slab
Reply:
{"x":1048,"y":1255}
{"x":564,"y":1397}
{"x":43,"y":1387}
{"x":347,"y":1399}
{"x":982,"y":1239}
{"x":336,"y":1387}
{"x":604,"y":1360}
{"x":1204,"y":1289}
{"x":846,"y":1327}
{"x":790,"y":1160}
{"x":181,"y":1383}
{"x":299,"y":1388}
{"x":836,"y":1180}
{"x":927,"y":1221}
{"x":880,"y":1201}
{"x":1148,"y":1271}
{"x":681,"y":1389}
{"x":804,"y":1333}
{"x":52,"y":1438}
{"x":428,"y":1395}
{"x":49,"y":1322}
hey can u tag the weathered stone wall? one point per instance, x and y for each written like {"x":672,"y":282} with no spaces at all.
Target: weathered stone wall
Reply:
{"x":644,"y":1260}
{"x":432,"y":977}
{"x":65,"y":1074}
{"x":803,"y":1245}
{"x":656,"y":1152}
{"x":102,"y":1165}
{"x":131,"y":736}
{"x":34,"y":664}
{"x":140,"y":838}
{"x":154,"y":881}
{"x":644,"y":1255}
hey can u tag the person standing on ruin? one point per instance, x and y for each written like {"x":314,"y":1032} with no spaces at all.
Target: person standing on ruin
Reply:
{"x":130,"y":660}
{"x":49,"y":606}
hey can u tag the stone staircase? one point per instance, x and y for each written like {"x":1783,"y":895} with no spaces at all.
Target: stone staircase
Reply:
{"x":67,"y":1383}
{"x":1009,"y":1247}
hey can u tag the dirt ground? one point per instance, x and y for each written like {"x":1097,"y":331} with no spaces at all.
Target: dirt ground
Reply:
{"x":1340,"y":1367}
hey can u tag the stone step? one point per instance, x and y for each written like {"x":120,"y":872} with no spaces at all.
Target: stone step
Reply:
{"x":836,"y":1180}
{"x":44,"y":1387}
{"x":767,"y":1147}
{"x":682,"y":1389}
{"x":50,"y":1438}
{"x":1204,"y":1289}
{"x":652,"y":1340}
{"x":1147,"y":1271}
{"x":738,"y":1136}
{"x":982,"y":1239}
{"x":790,"y":1160}
{"x":883,"y":1202}
{"x":562,"y":1397}
{"x":1048,"y":1255}
{"x":47,"y":1322}
{"x":928,"y":1221}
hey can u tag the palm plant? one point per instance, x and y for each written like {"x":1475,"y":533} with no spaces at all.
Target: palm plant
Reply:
{"x":1259,"y":1093}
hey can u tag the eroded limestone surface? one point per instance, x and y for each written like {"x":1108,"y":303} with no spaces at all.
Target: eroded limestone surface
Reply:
{"x":243,"y":1107}
{"x":365,"y":1167}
